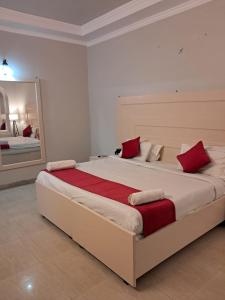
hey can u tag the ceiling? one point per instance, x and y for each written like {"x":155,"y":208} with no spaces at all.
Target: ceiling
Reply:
{"x":88,"y":22}
{"x":70,"y":11}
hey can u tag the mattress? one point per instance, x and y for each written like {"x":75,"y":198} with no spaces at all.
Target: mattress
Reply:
{"x":189,"y":192}
{"x":20,"y":151}
{"x":20,"y":142}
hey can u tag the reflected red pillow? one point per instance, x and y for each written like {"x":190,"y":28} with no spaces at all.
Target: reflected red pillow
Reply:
{"x":3,"y":126}
{"x":27,"y":131}
{"x":194,"y":159}
{"x":131,"y":148}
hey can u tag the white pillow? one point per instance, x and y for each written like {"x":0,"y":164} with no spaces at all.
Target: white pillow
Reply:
{"x":217,"y":155}
{"x":217,"y":166}
{"x":154,"y":154}
{"x":217,"y":170}
{"x":145,"y":149}
{"x":184,"y":148}
{"x":34,"y":132}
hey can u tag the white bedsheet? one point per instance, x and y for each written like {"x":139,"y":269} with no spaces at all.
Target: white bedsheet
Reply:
{"x":188,"y":192}
{"x":20,"y":142}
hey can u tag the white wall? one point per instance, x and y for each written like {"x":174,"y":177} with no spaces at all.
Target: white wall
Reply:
{"x":148,"y":61}
{"x":62,"y":68}
{"x":141,"y":62}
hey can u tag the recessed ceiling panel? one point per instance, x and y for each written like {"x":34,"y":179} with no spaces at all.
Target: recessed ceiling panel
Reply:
{"x":70,"y":11}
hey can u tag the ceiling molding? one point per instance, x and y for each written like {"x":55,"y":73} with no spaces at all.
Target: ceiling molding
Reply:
{"x":13,"y":16}
{"x":117,"y":14}
{"x":49,"y":36}
{"x":21,"y":23}
{"x":149,"y":20}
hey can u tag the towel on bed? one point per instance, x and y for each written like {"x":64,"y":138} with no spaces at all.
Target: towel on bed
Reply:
{"x":146,"y":196}
{"x":60,"y":165}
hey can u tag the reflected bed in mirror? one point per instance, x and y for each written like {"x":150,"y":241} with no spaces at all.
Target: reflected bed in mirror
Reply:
{"x":21,"y":130}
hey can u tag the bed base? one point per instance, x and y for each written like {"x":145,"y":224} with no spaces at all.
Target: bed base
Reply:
{"x":118,"y":248}
{"x":14,"y":158}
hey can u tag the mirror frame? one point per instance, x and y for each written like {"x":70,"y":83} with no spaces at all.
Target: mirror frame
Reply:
{"x":6,"y":106}
{"x":42,"y":160}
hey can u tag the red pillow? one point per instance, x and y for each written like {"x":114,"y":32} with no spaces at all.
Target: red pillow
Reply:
{"x":3,"y":126}
{"x":194,"y":159}
{"x":131,"y":148}
{"x":27,"y":131}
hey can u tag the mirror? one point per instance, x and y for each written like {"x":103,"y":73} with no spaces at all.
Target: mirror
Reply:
{"x":21,"y":130}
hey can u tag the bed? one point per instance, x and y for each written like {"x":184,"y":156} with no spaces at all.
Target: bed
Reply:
{"x":120,"y":244}
{"x":20,"y":149}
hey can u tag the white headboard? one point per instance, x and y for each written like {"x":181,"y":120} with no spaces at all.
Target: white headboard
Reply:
{"x":173,"y":119}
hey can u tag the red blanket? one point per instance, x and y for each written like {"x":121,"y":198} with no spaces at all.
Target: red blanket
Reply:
{"x":155,"y":215}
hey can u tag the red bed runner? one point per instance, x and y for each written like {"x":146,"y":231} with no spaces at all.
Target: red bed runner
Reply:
{"x":4,"y":146}
{"x":155,"y":215}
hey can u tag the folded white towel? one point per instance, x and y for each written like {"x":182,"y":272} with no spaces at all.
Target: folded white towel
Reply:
{"x":146,"y":196}
{"x":59,"y":165}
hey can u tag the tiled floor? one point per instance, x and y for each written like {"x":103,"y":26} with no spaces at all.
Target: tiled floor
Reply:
{"x":38,"y":261}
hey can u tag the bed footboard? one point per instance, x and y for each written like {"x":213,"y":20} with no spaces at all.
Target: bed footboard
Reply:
{"x":172,"y":238}
{"x":55,"y":207}
{"x":108,"y":242}
{"x":118,"y":248}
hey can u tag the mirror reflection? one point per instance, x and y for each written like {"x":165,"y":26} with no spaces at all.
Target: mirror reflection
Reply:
{"x":19,"y":122}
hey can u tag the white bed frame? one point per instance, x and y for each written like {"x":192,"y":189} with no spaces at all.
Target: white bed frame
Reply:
{"x":169,"y":120}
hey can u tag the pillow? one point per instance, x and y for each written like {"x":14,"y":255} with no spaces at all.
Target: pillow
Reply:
{"x":154,"y":154}
{"x":27,"y":131}
{"x":131,"y":148}
{"x":217,"y":170}
{"x":184,"y":148}
{"x":215,"y":151}
{"x":217,"y":156}
{"x":145,"y":148}
{"x":3,"y":126}
{"x":33,"y":132}
{"x":217,"y":166}
{"x":194,"y":159}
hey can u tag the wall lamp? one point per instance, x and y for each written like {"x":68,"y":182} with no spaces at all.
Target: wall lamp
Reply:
{"x":6,"y":73}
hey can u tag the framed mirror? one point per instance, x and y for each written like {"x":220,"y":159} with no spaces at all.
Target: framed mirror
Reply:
{"x":21,"y":126}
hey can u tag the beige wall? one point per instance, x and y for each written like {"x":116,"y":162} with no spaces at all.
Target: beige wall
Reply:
{"x":148,"y":61}
{"x":62,"y":69}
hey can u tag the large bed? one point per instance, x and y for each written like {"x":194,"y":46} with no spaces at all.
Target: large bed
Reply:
{"x":20,"y":149}
{"x":113,"y":232}
{"x":189,"y":192}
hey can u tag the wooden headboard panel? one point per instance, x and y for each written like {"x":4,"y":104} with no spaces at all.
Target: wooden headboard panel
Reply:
{"x":173,"y":119}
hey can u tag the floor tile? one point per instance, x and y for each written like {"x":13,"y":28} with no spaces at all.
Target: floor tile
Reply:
{"x":38,"y":261}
